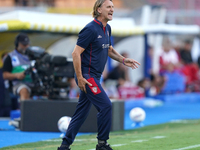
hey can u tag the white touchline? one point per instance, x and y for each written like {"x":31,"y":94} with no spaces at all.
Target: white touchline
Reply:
{"x":80,"y":140}
{"x":116,"y":145}
{"x":189,"y":147}
{"x":158,"y":137}
{"x":139,"y":141}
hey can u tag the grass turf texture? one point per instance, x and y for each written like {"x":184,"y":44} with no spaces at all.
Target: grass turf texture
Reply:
{"x":167,"y":136}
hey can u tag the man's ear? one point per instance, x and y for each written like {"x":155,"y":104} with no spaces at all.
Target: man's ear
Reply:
{"x":99,"y":10}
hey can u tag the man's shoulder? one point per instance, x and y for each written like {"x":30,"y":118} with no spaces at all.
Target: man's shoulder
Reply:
{"x":7,"y":65}
{"x":89,"y":28}
{"x":7,"y":58}
{"x":90,"y":25}
{"x":11,"y":53}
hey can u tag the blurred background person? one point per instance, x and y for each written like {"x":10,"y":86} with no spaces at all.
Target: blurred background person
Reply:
{"x":120,"y":72}
{"x":145,"y":83}
{"x":116,"y":77}
{"x":168,"y":56}
{"x":74,"y":90}
{"x":157,"y":84}
{"x":189,"y":68}
{"x":185,"y":53}
{"x":8,"y":101}
{"x":14,"y":66}
{"x":5,"y":105}
{"x":117,"y":83}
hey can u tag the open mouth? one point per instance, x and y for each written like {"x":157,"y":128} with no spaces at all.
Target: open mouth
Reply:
{"x":110,"y":14}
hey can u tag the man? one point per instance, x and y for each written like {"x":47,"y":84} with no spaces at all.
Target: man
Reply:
{"x":185,"y":53}
{"x":14,"y":66}
{"x":89,"y":59}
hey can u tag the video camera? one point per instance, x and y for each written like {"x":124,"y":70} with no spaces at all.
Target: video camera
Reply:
{"x":49,"y":73}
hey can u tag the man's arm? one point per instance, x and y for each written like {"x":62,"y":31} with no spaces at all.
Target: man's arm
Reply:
{"x":7,"y":68}
{"x":12,"y":76}
{"x":115,"y":55}
{"x":77,"y":67}
{"x":112,"y":53}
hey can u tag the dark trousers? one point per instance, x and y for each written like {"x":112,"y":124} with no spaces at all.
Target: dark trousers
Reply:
{"x":96,"y":96}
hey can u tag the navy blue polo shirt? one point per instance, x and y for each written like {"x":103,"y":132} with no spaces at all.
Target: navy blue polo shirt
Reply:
{"x":95,"y":39}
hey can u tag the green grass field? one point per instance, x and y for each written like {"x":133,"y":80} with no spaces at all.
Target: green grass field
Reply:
{"x":171,"y":136}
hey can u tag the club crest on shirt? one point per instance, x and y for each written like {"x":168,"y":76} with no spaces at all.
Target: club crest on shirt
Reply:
{"x":94,"y":89}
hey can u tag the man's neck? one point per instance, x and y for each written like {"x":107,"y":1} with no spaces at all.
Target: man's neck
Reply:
{"x":19,"y":52}
{"x":103,"y":21}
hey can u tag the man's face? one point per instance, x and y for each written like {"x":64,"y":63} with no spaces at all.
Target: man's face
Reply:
{"x":106,"y":10}
{"x":188,"y":47}
{"x":22,"y":48}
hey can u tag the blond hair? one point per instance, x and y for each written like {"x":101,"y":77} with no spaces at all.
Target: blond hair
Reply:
{"x":97,"y":4}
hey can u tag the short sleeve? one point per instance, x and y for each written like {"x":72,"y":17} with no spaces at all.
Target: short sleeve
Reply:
{"x":85,"y":37}
{"x":7,"y":65}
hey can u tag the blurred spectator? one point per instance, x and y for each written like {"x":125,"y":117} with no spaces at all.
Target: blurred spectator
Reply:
{"x":74,"y":90}
{"x":169,"y":82}
{"x":119,"y":73}
{"x":117,"y":83}
{"x":157,"y":84}
{"x":145,"y":84}
{"x":3,"y":57}
{"x":174,"y":81}
{"x":115,"y":78}
{"x":110,"y":87}
{"x":185,"y":53}
{"x":191,"y":72}
{"x":14,"y":66}
{"x":190,"y":69}
{"x":5,"y":101}
{"x":149,"y":59}
{"x":4,"y":106}
{"x":168,"y":57}
{"x":177,"y":45}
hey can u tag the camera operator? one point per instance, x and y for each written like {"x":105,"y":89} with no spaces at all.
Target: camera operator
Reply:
{"x":14,"y":66}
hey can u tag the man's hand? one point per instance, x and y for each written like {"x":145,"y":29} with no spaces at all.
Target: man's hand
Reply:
{"x":20,"y":76}
{"x":131,"y":63}
{"x":81,"y":84}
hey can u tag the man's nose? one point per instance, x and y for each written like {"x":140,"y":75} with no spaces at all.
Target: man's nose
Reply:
{"x":111,"y":8}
